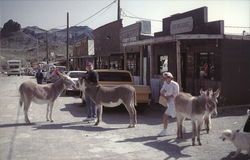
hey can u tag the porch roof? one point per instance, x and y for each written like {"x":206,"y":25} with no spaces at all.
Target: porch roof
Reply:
{"x":173,"y":38}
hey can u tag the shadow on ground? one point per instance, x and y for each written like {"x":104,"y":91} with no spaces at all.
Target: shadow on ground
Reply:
{"x":72,"y":126}
{"x":119,"y":114}
{"x":239,"y":157}
{"x":169,"y":146}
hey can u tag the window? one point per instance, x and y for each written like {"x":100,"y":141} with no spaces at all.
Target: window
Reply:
{"x":114,"y":76}
{"x":163,"y":64}
{"x":102,"y":63}
{"x":133,"y":63}
{"x":206,"y":65}
{"x":116,"y":62}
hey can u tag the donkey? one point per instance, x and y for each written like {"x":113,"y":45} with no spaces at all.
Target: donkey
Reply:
{"x":195,"y":108}
{"x":111,"y":96}
{"x":43,"y":94}
{"x":207,"y":118}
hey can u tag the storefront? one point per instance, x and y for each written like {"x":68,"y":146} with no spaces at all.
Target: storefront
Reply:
{"x":199,"y":55}
{"x":136,"y":58}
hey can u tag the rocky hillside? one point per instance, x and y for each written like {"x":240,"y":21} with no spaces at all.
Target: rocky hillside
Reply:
{"x":28,"y":44}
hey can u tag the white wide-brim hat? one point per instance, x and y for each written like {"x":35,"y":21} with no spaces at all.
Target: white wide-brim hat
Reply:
{"x":168,"y":74}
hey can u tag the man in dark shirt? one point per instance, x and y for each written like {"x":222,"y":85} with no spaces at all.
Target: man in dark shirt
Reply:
{"x":91,"y":77}
{"x":39,"y":76}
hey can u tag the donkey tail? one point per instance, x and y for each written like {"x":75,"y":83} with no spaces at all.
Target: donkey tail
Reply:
{"x":20,"y":102}
{"x":135,"y":100}
{"x":21,"y":97}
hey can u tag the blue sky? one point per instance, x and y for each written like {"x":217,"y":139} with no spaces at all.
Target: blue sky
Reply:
{"x":49,"y":14}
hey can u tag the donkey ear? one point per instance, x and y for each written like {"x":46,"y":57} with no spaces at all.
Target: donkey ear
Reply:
{"x":210,"y":92}
{"x":217,"y":93}
{"x":202,"y":92}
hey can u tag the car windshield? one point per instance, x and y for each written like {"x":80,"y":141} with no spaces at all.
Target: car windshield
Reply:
{"x":61,"y":68}
{"x":114,"y":76}
{"x":76,"y":74}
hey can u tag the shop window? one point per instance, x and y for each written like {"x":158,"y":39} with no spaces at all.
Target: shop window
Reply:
{"x":163,"y":64}
{"x":116,"y":62}
{"x":102,"y":63}
{"x":206,"y":65}
{"x":133,"y":63}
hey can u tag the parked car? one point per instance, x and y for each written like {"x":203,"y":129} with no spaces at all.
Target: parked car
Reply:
{"x":74,"y":76}
{"x":118,"y":77}
{"x":61,"y":68}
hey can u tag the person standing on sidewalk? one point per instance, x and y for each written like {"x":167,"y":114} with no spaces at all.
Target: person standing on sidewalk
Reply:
{"x":169,"y":90}
{"x":39,"y":76}
{"x":91,"y":77}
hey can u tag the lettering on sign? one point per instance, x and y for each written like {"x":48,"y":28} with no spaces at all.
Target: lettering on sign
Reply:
{"x":181,"y":25}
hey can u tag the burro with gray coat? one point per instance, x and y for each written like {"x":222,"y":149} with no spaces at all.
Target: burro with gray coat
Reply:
{"x":43,"y":94}
{"x":111,"y":96}
{"x":196,"y":108}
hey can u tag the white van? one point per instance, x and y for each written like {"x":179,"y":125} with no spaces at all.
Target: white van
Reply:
{"x":14,"y":67}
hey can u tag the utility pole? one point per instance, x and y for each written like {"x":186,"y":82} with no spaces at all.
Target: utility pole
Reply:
{"x":37,"y":50}
{"x":118,"y":10}
{"x":67,"y":42}
{"x":47,"y":47}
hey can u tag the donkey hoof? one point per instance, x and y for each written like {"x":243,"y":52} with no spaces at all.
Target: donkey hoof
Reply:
{"x":27,"y":121}
{"x":193,"y":143}
{"x":207,"y":131}
{"x":51,"y":120}
{"x":96,"y":124}
{"x":131,"y":126}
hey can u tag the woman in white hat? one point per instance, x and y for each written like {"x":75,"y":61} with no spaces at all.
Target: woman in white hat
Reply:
{"x":169,"y":90}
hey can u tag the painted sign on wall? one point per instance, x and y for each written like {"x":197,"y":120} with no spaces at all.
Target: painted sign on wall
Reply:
{"x":181,"y":25}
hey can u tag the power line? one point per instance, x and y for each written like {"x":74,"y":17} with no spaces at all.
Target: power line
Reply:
{"x":236,"y":27}
{"x":96,"y":13}
{"x":136,"y":17}
{"x":155,"y":20}
{"x":103,"y":10}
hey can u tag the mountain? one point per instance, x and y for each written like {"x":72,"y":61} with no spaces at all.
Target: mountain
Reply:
{"x":29,"y":44}
{"x":75,"y":33}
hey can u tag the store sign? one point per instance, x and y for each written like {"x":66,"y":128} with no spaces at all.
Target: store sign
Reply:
{"x":181,"y":25}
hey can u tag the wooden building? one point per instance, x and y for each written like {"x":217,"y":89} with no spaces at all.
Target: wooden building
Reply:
{"x":104,"y":52}
{"x":107,"y":46}
{"x":199,"y":55}
{"x":83,"y":51}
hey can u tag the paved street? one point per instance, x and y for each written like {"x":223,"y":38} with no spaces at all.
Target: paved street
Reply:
{"x":68,"y":138}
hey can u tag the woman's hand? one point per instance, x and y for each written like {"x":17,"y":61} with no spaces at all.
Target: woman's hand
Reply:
{"x":168,"y":97}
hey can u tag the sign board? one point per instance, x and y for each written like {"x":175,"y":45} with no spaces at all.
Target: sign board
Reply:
{"x":181,"y":25}
{"x":130,"y":33}
{"x":191,"y":22}
{"x":91,"y":47}
{"x":145,"y":27}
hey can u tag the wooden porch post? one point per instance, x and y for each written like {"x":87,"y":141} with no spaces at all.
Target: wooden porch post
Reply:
{"x":151,"y":62}
{"x":141,"y":64}
{"x":125,"y":58}
{"x":178,"y":63}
